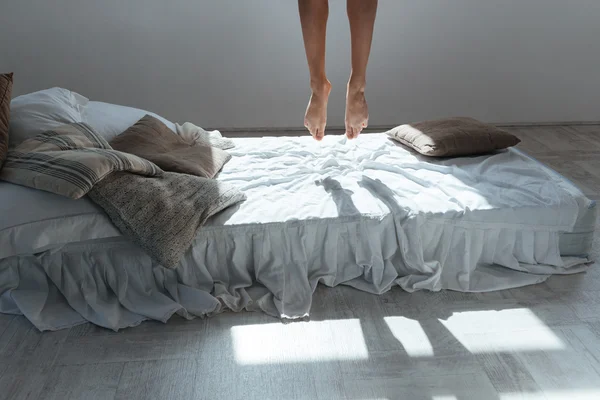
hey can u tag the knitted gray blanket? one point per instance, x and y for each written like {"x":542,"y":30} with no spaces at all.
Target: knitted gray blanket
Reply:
{"x":162,"y":214}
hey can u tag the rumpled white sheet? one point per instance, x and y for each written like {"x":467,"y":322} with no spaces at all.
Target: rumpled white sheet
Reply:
{"x":366,"y":213}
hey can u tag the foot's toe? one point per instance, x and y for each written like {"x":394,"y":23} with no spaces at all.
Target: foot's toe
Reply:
{"x":319,"y":134}
{"x":315,"y":133}
{"x":310,"y":129}
{"x":352,"y":132}
{"x":316,"y":128}
{"x":349,"y":132}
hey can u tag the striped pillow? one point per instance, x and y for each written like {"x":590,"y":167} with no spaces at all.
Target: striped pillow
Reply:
{"x":69,"y":161}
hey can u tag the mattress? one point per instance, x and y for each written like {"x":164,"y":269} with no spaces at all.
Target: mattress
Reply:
{"x":367,"y":213}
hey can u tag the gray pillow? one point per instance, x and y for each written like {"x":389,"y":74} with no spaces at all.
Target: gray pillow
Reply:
{"x":449,"y":137}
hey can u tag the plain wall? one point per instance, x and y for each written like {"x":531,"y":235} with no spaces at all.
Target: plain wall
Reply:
{"x":241,"y":63}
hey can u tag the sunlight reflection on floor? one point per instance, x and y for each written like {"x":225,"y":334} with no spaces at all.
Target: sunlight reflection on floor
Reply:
{"x":506,"y":330}
{"x":412,"y":336}
{"x":314,"y":341}
{"x":592,"y":394}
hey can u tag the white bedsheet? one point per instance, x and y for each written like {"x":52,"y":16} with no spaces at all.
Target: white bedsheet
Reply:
{"x":301,"y":179}
{"x":366,"y":213}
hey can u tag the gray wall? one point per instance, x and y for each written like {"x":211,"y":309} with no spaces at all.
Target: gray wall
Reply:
{"x":240,"y":63}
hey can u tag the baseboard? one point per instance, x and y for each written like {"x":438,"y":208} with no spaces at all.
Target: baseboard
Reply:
{"x":556,"y":123}
{"x":300,"y":131}
{"x":292,"y":131}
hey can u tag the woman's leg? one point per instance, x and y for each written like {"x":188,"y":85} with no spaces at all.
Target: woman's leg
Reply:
{"x":361,"y":14}
{"x":313,"y":17}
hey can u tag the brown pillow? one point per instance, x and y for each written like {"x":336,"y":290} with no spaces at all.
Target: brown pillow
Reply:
{"x":459,"y":136}
{"x":6,"y":81}
{"x":151,"y":139}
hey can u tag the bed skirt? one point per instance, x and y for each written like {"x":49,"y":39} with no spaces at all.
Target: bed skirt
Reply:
{"x":274,"y":268}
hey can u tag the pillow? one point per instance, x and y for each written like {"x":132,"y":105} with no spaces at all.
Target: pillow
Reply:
{"x":149,"y":138}
{"x":38,"y":112}
{"x":459,"y":136}
{"x":198,"y":135}
{"x":109,"y":120}
{"x":6,"y":81}
{"x":69,"y":161}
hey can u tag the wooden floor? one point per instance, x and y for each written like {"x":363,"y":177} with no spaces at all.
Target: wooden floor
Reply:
{"x":538,"y":342}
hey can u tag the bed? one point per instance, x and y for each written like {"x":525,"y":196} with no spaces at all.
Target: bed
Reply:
{"x":367,"y":213}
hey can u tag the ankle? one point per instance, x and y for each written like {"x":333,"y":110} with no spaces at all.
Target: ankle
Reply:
{"x":357,"y":84}
{"x":320,"y":86}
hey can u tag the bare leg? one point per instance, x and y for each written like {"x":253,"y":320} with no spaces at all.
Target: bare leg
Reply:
{"x":313,"y":17}
{"x":361,"y":14}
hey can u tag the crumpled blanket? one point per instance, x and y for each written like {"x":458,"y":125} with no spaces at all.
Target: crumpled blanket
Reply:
{"x":167,"y":211}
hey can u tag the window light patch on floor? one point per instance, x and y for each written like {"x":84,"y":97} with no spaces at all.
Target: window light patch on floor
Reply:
{"x":572,"y":394}
{"x":411,"y":335}
{"x":506,"y":330}
{"x":375,"y":398}
{"x":315,"y":341}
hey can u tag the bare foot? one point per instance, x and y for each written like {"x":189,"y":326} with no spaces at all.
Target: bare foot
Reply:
{"x":316,"y":112}
{"x":357,"y":112}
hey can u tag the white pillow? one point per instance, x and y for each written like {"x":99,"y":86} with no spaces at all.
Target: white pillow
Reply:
{"x":34,"y":113}
{"x":110,"y":120}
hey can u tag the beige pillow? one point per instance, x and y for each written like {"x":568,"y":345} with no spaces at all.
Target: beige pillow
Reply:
{"x":69,"y":161}
{"x":460,"y":136}
{"x":151,"y":139}
{"x":6,"y":81}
